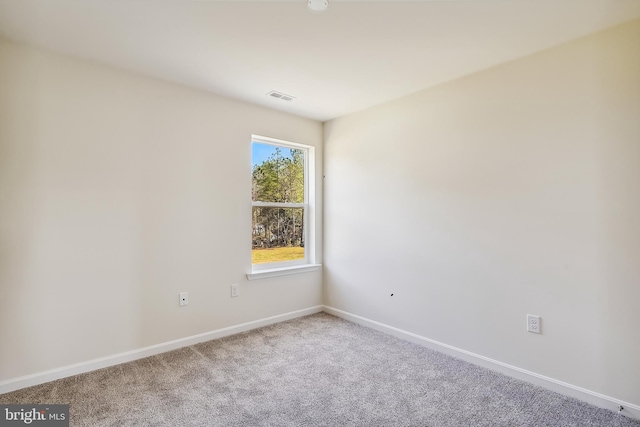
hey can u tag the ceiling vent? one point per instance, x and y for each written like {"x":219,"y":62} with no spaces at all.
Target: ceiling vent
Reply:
{"x":282,"y":96}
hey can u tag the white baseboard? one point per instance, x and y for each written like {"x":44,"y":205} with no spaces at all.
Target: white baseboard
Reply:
{"x":116,"y":359}
{"x":630,"y":410}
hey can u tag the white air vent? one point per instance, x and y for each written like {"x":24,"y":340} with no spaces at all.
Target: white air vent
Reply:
{"x":281,"y":96}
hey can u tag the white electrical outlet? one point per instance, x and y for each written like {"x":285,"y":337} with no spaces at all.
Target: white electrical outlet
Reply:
{"x":235,"y":290}
{"x":184,"y":298}
{"x":533,"y":323}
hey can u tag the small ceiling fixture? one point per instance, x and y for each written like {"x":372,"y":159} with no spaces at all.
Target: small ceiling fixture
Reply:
{"x":282,"y":96}
{"x":318,"y":5}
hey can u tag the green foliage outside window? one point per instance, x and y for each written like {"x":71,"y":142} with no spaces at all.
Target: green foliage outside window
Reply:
{"x":278,"y":179}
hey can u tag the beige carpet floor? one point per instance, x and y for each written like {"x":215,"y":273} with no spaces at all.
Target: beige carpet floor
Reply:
{"x":313,"y":371}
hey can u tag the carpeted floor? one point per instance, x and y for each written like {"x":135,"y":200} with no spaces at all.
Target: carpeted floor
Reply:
{"x":317,"y":370}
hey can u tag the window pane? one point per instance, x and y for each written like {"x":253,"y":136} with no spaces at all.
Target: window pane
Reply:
{"x":277,"y":174}
{"x":278,"y":234}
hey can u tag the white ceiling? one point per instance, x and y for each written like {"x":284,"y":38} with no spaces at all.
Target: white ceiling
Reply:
{"x":355,"y":55}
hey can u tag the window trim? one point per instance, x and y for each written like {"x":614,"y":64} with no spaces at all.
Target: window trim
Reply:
{"x":272,"y":269}
{"x":275,"y":272}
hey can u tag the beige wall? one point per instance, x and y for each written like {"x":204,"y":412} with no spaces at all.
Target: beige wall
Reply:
{"x":512,"y":191}
{"x":116,"y":193}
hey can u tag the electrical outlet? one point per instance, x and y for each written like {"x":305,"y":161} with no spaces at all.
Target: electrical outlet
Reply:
{"x":533,"y":323}
{"x":184,"y":298}
{"x":235,"y":290}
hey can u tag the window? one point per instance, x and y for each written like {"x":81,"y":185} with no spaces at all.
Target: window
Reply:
{"x":282,"y":204}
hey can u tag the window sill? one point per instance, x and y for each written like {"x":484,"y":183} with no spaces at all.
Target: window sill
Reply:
{"x":275,"y":272}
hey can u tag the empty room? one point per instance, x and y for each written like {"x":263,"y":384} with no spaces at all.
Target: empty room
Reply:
{"x":320,"y":213}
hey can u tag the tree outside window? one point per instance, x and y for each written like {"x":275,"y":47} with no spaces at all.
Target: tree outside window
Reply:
{"x":279,"y":203}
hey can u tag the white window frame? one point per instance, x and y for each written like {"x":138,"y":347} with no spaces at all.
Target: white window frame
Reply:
{"x":307,"y":264}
